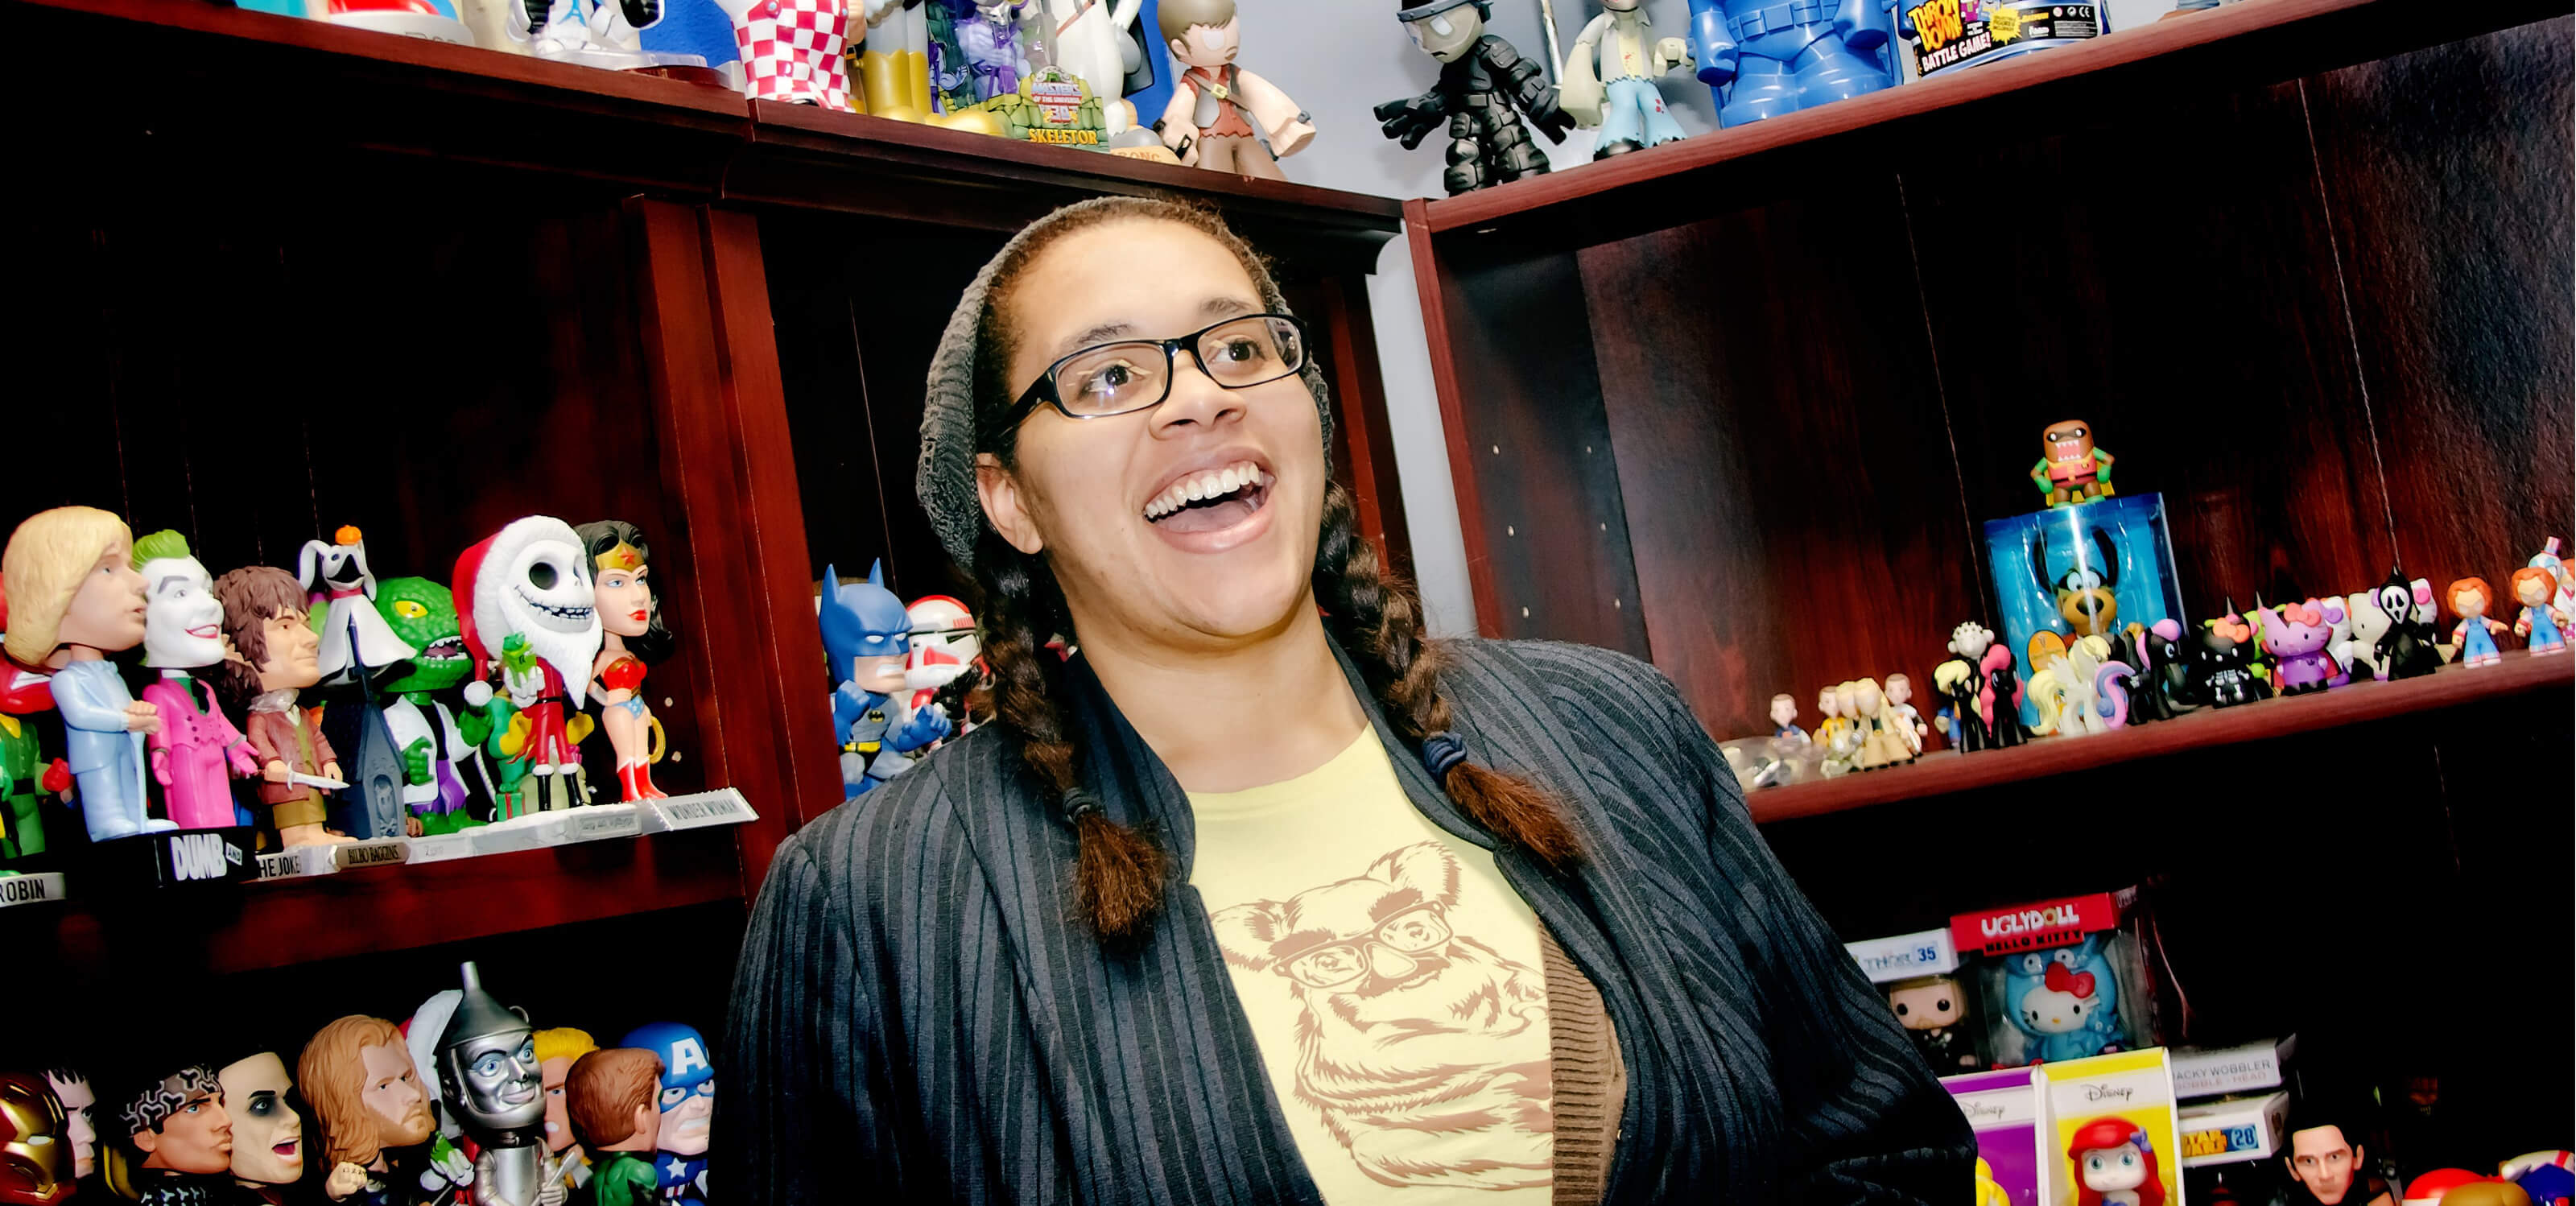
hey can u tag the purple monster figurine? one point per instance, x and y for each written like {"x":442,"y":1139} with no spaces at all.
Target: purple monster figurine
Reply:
{"x":987,"y":34}
{"x":2296,"y":634}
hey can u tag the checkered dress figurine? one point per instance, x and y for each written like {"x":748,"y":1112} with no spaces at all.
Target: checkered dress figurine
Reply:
{"x":791,"y":50}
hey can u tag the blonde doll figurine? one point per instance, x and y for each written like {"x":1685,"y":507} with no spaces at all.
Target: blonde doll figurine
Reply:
{"x":74,"y":600}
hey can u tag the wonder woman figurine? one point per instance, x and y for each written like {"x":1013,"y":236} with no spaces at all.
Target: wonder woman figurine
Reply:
{"x":631,"y":616}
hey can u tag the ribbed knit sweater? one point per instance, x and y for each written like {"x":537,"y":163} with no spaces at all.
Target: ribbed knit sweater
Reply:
{"x":918,"y":1016}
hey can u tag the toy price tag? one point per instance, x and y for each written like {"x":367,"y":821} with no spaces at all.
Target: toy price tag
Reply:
{"x":380,"y":853}
{"x":723,"y":806}
{"x":38,"y":888}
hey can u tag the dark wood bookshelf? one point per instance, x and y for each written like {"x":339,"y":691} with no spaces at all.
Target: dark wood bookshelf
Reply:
{"x":1943,"y":772}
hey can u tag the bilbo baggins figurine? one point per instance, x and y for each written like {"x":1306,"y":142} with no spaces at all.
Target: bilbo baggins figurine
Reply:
{"x":489,"y":1077}
{"x":1485,"y":85}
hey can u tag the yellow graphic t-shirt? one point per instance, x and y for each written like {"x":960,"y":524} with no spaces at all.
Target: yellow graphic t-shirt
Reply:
{"x":1392,"y":979}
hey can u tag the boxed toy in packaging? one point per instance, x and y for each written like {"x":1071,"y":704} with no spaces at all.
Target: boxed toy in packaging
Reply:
{"x":1919,"y":973}
{"x":2114,"y":1128}
{"x":2087,"y":570}
{"x":2061,"y":979}
{"x":2249,"y":1068}
{"x":1954,"y":35}
{"x":2232,"y":1130}
{"x":2003,"y":1108}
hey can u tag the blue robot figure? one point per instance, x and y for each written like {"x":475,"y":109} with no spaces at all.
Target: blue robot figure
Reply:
{"x":688,"y":1102}
{"x":869,"y":638}
{"x":2065,"y":1001}
{"x":1764,"y":58}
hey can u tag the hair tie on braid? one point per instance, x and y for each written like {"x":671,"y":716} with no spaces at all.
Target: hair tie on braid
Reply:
{"x":1441,"y":751}
{"x":1080,"y":803}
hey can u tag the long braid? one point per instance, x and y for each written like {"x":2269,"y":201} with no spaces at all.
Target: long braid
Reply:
{"x":1377,"y":617}
{"x":1118,"y":871}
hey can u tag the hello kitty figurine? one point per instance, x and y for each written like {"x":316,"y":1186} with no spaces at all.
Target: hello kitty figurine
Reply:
{"x":2065,"y":1001}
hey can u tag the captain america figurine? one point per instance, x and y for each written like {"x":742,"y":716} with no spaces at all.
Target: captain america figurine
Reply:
{"x":688,"y":1100}
{"x":1764,"y":58}
{"x":868,"y":635}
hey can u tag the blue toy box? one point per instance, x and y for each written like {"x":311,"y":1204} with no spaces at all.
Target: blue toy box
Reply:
{"x":2093,"y":567}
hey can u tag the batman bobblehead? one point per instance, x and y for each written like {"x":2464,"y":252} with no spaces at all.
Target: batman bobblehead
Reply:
{"x":868,"y":636}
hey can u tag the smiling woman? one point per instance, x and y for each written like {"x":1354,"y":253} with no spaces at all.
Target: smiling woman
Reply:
{"x":1262,"y":896}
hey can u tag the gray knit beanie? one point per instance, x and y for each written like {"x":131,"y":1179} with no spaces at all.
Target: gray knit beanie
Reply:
{"x":945,"y":476}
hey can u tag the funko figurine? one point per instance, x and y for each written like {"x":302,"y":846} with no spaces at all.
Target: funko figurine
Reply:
{"x":2406,"y":648}
{"x":275,"y":656}
{"x":946,"y":665}
{"x":1888,"y":739}
{"x":987,"y":34}
{"x":868,"y":635}
{"x":2473,"y":641}
{"x":1900,"y":703}
{"x":630,"y":618}
{"x":2565,"y":597}
{"x":1216,"y":106}
{"x":557,"y":1050}
{"x":489,"y":1079}
{"x":1933,"y":1011}
{"x":1485,"y":85}
{"x":80,"y":1128}
{"x":2542,"y":626}
{"x":342,"y":588}
{"x":1621,"y":99}
{"x":1979,"y":682}
{"x":2070,"y":469}
{"x":1784,"y":718}
{"x":2158,"y":685}
{"x":26,"y":779}
{"x":1764,"y":59}
{"x":1089,"y":44}
{"x":35,"y":1142}
{"x":612,"y":1098}
{"x":268,"y":1134}
{"x":173,"y":1136}
{"x":688,"y":1103}
{"x":532,"y":614}
{"x":2115,"y":1165}
{"x":2327,"y":1162}
{"x":373,"y":1111}
{"x":197,"y":752}
{"x":2297,"y":636}
{"x":425,"y":734}
{"x":2223,"y":661}
{"x":74,"y":599}
{"x":2065,"y":1000}
{"x":1831,"y":730}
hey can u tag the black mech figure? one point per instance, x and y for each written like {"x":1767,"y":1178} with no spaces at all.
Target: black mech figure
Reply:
{"x":1485,"y":85}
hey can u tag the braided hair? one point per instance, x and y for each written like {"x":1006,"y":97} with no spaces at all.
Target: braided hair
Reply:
{"x":1374,"y":614}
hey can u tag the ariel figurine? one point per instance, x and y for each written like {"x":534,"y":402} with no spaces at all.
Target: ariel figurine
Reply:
{"x":635,"y":637}
{"x":2474,"y":639}
{"x":2115,"y":1165}
{"x":2542,"y":626}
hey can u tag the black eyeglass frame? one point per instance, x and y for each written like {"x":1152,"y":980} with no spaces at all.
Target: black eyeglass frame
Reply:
{"x":1044,"y":389}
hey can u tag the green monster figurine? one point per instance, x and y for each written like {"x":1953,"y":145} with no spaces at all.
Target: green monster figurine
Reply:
{"x":432,"y":740}
{"x":25,"y":780}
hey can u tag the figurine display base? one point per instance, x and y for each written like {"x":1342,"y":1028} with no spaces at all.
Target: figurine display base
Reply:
{"x":688,"y":73}
{"x":621,"y":60}
{"x":41,"y":887}
{"x":700,"y":810}
{"x":177,"y":859}
{"x":294,"y":862}
{"x":562,"y":827}
{"x":443,"y":847}
{"x":410,"y":25}
{"x":377,"y":852}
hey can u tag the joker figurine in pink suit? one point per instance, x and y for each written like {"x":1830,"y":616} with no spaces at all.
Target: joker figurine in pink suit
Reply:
{"x":198,"y":749}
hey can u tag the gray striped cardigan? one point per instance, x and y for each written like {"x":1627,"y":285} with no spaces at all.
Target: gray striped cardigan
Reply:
{"x":916,"y":1017}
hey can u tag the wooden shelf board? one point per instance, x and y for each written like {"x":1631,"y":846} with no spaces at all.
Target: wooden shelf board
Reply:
{"x":285,"y":922}
{"x":2287,"y":37}
{"x":1947,"y":771}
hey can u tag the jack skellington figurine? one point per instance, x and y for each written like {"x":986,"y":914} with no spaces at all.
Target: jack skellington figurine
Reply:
{"x":530,"y":611}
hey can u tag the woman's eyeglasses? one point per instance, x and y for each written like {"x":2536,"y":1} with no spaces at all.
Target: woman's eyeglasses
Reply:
{"x":1136,"y":374}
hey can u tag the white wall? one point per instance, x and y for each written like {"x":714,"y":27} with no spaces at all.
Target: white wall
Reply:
{"x":1339,"y":58}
